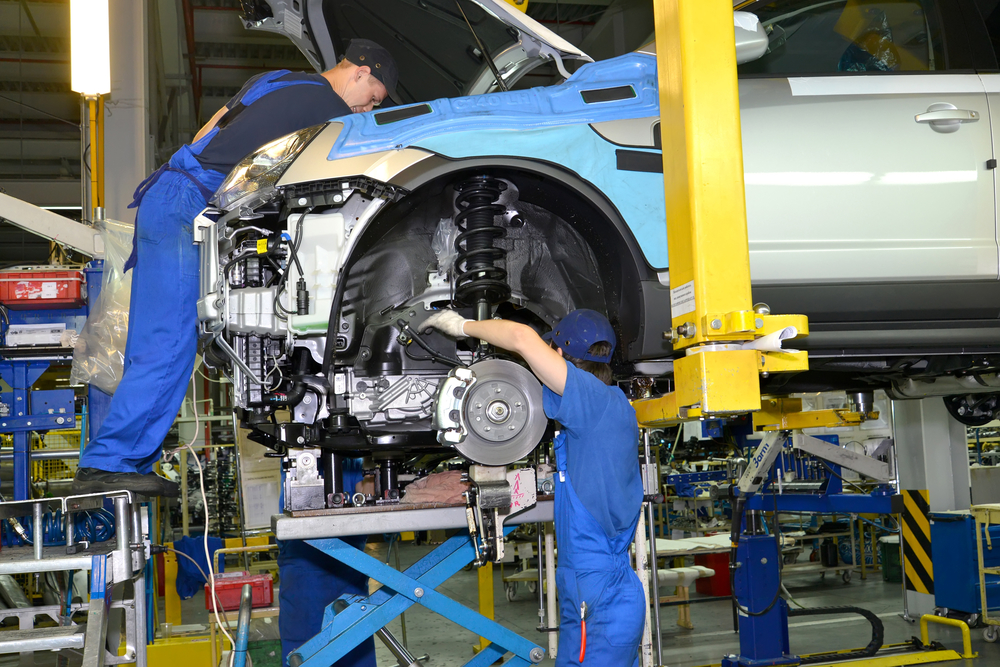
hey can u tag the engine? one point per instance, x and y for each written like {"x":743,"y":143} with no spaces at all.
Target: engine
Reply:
{"x":324,"y":366}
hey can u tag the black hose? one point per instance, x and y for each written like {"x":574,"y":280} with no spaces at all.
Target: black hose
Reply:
{"x":298,"y":389}
{"x":333,"y":324}
{"x":434,"y":354}
{"x":878,"y":633}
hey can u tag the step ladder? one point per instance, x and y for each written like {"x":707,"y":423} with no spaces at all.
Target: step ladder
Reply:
{"x":110,"y":565}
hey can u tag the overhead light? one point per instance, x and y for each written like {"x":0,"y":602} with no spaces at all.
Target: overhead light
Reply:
{"x":90,"y":51}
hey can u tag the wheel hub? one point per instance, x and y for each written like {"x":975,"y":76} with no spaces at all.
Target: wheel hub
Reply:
{"x":503,"y":411}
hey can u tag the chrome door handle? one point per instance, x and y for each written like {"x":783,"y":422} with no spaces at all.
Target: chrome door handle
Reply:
{"x":961,"y":115}
{"x":946,"y":117}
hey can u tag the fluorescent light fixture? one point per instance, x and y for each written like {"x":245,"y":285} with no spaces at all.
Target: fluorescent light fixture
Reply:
{"x":90,"y":50}
{"x":808,"y":178}
{"x":928,"y":177}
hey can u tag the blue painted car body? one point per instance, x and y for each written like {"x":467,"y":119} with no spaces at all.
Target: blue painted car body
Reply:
{"x":550,"y":124}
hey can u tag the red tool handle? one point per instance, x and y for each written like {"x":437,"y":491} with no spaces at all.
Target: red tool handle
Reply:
{"x":583,"y":640}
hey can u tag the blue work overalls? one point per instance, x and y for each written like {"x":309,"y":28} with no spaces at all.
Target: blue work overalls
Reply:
{"x":159,"y":359}
{"x":596,"y":570}
{"x":162,"y":334}
{"x":162,"y":337}
{"x":311,"y":580}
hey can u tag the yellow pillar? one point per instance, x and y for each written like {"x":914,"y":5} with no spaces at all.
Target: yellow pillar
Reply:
{"x":706,"y":220}
{"x":95,"y":150}
{"x":485,"y":599}
{"x":171,"y":600}
{"x":99,"y":120}
{"x":703,"y":171}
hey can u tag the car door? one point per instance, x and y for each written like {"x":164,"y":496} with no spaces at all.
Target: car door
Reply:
{"x":868,"y":158}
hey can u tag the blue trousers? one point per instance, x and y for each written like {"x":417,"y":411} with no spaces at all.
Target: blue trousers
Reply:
{"x":162,"y":336}
{"x":311,"y":580}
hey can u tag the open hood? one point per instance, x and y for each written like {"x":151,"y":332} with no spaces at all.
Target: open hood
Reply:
{"x":437,"y":54}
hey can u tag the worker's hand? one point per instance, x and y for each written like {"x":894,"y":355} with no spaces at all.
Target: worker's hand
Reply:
{"x":366,"y":485}
{"x":447,"y":322}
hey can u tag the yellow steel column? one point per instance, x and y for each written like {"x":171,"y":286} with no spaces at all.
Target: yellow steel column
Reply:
{"x":93,"y":158}
{"x":703,"y":171}
{"x":706,"y":221}
{"x":171,"y":600}
{"x":485,"y":599}
{"x":99,"y":118}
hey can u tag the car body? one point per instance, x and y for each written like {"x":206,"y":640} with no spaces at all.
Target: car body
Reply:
{"x":869,"y":156}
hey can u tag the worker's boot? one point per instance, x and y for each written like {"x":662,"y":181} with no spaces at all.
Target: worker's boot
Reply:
{"x":92,"y":480}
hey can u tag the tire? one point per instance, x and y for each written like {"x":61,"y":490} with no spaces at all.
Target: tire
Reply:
{"x":510,"y":590}
{"x":532,"y":587}
{"x":991,"y":634}
{"x":846,"y":576}
{"x":972,"y":620}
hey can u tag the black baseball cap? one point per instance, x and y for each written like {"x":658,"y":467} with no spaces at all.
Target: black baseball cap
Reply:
{"x":366,"y":53}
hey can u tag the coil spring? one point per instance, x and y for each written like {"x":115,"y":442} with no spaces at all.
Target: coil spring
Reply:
{"x":479,"y":279}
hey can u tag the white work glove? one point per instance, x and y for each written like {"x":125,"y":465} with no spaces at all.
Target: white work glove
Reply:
{"x":447,"y":322}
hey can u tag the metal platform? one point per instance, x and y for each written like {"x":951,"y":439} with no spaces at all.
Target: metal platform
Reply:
{"x":20,"y":560}
{"x":110,"y":564}
{"x":42,"y":639}
{"x":319,"y":524}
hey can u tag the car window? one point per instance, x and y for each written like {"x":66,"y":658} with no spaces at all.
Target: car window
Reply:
{"x":990,"y":12}
{"x":844,"y":36}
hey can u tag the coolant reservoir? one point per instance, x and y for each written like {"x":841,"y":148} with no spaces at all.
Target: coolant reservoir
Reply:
{"x":320,"y":252}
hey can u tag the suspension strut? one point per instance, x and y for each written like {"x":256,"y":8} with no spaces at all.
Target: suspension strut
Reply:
{"x":480,"y":281}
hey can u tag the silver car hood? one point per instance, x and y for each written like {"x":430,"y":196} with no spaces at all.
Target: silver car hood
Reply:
{"x":434,"y":48}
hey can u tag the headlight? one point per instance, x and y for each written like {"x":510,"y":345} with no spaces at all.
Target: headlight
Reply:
{"x":251,"y":182}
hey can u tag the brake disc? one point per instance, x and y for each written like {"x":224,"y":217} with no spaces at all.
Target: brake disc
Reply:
{"x":503,"y":413}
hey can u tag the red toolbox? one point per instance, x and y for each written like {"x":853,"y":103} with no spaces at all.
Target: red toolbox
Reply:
{"x":719,"y":584}
{"x":42,"y":287}
{"x":229,"y":588}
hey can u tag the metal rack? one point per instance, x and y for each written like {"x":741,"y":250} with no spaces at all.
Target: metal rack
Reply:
{"x":985,"y":516}
{"x":109,"y":564}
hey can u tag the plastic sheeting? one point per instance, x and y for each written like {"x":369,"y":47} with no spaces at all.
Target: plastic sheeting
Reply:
{"x":443,"y":245}
{"x":99,"y":353}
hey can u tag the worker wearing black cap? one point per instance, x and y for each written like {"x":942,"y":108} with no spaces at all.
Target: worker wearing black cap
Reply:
{"x":162,"y":337}
{"x":162,"y":340}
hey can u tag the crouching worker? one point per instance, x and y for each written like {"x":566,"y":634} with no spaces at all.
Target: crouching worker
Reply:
{"x":598,"y":485}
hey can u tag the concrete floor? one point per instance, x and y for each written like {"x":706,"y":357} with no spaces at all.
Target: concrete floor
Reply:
{"x":712,"y":637}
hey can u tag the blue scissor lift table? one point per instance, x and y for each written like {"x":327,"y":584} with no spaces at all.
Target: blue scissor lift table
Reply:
{"x":364,"y":616}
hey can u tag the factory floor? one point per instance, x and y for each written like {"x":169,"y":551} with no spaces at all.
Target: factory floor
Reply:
{"x":447,"y":645}
{"x":711,"y":638}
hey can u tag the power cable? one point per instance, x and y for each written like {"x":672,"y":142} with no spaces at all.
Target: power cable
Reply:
{"x":204,"y":500}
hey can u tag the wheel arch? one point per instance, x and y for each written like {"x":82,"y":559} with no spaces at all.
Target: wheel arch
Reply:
{"x":591,"y":214}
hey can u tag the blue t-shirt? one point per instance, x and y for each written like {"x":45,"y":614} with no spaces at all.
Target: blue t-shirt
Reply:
{"x":279,"y":112}
{"x":602,"y":447}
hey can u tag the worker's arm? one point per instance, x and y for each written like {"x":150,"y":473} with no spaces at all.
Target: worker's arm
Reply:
{"x":547,"y":364}
{"x":207,"y":127}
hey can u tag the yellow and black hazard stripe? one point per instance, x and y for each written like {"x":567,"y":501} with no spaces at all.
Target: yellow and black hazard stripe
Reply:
{"x":916,"y":527}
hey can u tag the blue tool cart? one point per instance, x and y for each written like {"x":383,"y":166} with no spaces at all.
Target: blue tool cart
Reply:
{"x":956,"y":569}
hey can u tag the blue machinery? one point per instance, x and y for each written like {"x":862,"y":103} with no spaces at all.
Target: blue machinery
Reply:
{"x":110,"y":564}
{"x":364,"y":616}
{"x":30,"y":411}
{"x":756,"y":558}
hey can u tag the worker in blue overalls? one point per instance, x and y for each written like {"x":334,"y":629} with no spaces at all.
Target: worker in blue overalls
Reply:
{"x":599,"y":493}
{"x":162,"y":336}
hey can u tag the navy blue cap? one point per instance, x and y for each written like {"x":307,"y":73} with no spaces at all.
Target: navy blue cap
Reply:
{"x":366,"y":53}
{"x":580,"y":329}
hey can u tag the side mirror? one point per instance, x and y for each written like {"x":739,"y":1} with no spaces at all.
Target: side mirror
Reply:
{"x":751,"y":39}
